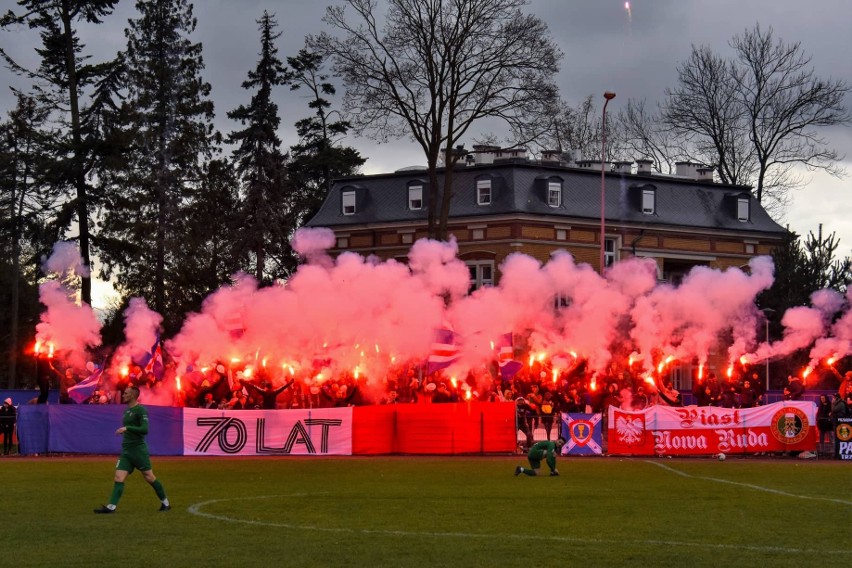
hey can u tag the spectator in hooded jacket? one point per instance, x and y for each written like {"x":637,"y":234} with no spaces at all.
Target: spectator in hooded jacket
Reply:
{"x":8,"y":415}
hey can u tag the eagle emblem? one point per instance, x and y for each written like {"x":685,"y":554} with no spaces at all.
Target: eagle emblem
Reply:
{"x":630,"y":429}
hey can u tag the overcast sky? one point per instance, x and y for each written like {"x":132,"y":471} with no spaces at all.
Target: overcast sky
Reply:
{"x":606,"y":47}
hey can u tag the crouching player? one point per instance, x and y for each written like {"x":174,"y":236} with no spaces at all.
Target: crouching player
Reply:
{"x":545,"y":450}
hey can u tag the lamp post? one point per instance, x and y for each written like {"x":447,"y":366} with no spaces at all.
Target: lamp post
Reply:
{"x":766,"y":313}
{"x":608,"y":96}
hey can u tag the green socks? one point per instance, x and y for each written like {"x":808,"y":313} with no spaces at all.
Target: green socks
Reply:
{"x":117,"y":490}
{"x":161,"y":493}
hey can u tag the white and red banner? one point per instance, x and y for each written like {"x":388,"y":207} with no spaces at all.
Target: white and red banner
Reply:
{"x":698,"y":430}
{"x":321,"y":431}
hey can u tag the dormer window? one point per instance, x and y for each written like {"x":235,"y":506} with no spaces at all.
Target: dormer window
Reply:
{"x":743,"y":209}
{"x":348,"y":202}
{"x":415,"y":197}
{"x":554,"y":194}
{"x":649,"y":202}
{"x":483,"y":192}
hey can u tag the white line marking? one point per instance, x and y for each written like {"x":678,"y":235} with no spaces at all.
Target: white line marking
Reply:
{"x":196,"y":510}
{"x":749,"y":485}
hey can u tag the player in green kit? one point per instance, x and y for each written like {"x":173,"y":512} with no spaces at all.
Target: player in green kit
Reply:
{"x":545,"y":450}
{"x":134,"y":452}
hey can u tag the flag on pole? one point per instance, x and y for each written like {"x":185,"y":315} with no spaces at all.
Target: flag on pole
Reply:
{"x":445,"y":350}
{"x":153,"y":362}
{"x":83,"y":390}
{"x":506,"y":357}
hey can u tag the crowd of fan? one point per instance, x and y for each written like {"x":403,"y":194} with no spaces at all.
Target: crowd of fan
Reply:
{"x":538,"y":394}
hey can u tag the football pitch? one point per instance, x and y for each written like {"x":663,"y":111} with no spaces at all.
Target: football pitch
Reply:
{"x":430,"y":511}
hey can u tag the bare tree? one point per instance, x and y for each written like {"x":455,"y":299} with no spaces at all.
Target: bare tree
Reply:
{"x":785,"y":102}
{"x":702,"y":109}
{"x":757,"y":115}
{"x":579,"y":128}
{"x":434,"y":68}
{"x":644,"y":135}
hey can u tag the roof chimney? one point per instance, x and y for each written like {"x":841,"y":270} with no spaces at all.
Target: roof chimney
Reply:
{"x":484,"y":154}
{"x":644,"y":166}
{"x":589,"y":164}
{"x":686,"y":169}
{"x":705,"y":173}
{"x":551,"y":157}
{"x":623,"y":167}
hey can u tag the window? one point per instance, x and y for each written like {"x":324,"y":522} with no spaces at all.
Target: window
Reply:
{"x":415,"y":197}
{"x":610,"y":252}
{"x":648,"y":202}
{"x":561,"y":235}
{"x":407,"y":238}
{"x":348,"y":202}
{"x":483,"y":192}
{"x":554,"y":194}
{"x":742,"y":209}
{"x":477,"y":234}
{"x":481,"y":274}
{"x":342,"y":242}
{"x":749,"y":248}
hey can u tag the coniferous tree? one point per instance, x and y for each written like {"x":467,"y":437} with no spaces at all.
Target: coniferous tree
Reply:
{"x":63,"y":81}
{"x":801,"y":270}
{"x":210,"y":227}
{"x":166,"y":119}
{"x":26,"y":204}
{"x":260,"y":164}
{"x":316,"y":160}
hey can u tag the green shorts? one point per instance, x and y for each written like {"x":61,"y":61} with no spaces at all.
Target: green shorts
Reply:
{"x":134,"y":458}
{"x":534,"y":463}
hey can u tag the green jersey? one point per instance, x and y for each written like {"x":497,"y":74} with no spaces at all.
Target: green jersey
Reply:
{"x":543,"y":450}
{"x":135,"y":421}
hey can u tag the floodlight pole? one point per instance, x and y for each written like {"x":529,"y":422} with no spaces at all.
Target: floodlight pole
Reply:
{"x":766,"y":313}
{"x":608,"y":96}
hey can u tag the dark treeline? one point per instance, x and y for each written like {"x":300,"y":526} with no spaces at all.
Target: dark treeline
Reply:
{"x":122,"y":157}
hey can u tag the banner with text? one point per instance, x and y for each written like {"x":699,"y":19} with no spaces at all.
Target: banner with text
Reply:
{"x":698,"y":430}
{"x":843,"y":438}
{"x":322,"y":431}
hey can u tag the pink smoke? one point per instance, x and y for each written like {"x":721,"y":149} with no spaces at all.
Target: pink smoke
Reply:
{"x":64,"y":259}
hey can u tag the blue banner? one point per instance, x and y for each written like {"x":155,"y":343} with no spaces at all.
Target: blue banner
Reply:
{"x":582,"y":433}
{"x":90,"y":429}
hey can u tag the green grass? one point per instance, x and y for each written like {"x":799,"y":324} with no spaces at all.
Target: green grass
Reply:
{"x":405,"y":511}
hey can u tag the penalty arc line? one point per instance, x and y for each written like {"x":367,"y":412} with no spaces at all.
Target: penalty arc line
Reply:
{"x":749,"y":485}
{"x":196,"y":509}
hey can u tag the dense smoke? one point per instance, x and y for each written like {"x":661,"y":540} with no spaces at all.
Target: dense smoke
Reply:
{"x":366,"y":317}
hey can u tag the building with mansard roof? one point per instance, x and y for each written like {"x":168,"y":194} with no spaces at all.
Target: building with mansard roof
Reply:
{"x":503,"y":203}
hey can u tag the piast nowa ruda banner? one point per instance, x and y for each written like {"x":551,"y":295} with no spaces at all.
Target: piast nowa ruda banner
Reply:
{"x":707,"y":430}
